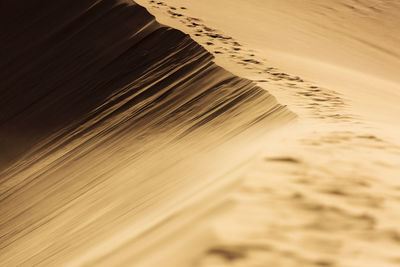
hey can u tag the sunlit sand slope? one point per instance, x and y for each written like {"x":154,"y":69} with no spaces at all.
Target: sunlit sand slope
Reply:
{"x":325,"y":192}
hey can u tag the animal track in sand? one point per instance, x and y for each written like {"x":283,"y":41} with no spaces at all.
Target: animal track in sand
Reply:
{"x":197,"y":28}
{"x":241,"y":255}
{"x":284,"y":160}
{"x":349,"y":139}
{"x":322,"y":103}
{"x":328,"y":210}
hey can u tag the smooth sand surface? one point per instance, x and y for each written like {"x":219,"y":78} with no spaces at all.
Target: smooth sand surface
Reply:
{"x":144,"y":152}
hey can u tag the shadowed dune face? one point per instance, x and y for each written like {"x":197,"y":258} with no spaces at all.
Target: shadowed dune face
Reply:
{"x":105,"y":116}
{"x":58,"y":68}
{"x":54,"y":62}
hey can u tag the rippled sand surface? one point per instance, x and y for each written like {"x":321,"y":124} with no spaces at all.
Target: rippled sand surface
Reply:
{"x":200,"y":133}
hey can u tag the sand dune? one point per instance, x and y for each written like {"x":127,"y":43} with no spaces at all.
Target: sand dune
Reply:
{"x":112,"y":124}
{"x":132,"y":140}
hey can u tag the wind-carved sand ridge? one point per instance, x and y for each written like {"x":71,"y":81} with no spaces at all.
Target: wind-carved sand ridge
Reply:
{"x":157,"y":170}
{"x":116,"y":132}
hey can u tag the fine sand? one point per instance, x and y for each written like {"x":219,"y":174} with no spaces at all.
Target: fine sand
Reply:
{"x":267,"y":136}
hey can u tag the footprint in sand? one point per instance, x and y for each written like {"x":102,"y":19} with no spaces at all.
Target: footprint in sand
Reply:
{"x":284,"y":160}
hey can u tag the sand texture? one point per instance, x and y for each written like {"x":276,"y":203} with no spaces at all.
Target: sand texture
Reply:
{"x":204,"y":133}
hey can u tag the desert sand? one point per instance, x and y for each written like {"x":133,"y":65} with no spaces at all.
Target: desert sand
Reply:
{"x":200,"y":133}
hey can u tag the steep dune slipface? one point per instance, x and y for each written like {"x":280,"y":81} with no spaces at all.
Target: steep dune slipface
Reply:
{"x":111,"y":125}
